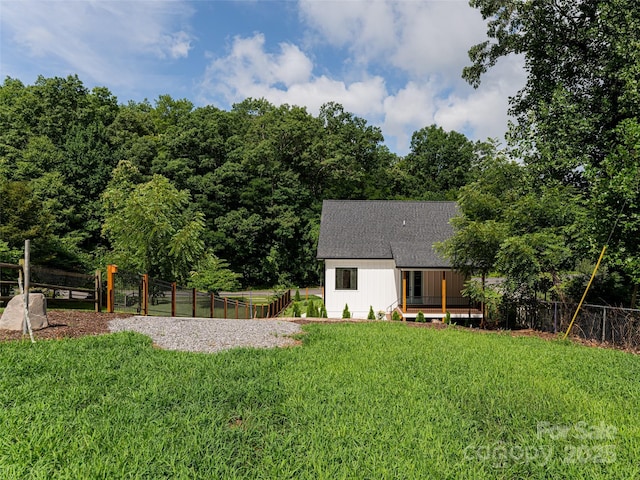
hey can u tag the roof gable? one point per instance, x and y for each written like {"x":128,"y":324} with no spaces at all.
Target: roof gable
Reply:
{"x":377,"y":229}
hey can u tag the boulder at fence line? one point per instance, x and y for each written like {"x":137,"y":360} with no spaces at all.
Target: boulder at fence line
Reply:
{"x":14,"y":313}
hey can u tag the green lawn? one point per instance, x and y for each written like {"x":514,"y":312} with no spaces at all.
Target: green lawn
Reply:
{"x":374,"y":400}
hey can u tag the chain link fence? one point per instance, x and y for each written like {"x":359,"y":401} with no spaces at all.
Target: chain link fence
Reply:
{"x":610,"y":325}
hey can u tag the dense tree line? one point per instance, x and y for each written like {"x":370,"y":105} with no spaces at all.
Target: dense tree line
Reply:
{"x":201,"y":193}
{"x":177,"y":191}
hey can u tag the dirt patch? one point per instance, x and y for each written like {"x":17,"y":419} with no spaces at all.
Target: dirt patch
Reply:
{"x":69,"y":324}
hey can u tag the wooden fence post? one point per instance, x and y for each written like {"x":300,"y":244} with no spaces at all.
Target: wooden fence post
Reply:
{"x":225,"y":307}
{"x":193,"y":302}
{"x":144,"y":301}
{"x":237,"y":309}
{"x":111,"y":271}
{"x":97,"y":295}
{"x":174,"y":287}
{"x":212,"y":305}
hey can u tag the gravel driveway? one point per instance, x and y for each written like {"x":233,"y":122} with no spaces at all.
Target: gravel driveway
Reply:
{"x":209,"y":334}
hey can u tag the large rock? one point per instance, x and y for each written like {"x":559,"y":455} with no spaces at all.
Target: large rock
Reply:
{"x":14,"y":313}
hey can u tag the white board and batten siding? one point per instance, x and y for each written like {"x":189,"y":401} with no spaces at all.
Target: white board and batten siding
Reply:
{"x":378,"y":286}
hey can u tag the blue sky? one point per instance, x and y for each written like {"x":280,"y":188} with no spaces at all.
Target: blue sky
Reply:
{"x":395,"y":63}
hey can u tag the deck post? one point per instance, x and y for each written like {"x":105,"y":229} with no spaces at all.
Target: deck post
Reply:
{"x":444,"y":292}
{"x":404,"y":292}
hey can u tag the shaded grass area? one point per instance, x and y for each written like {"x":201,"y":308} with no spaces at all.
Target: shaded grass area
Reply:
{"x":375,"y":400}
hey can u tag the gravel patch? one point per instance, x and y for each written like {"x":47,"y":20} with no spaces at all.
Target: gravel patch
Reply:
{"x":209,"y":334}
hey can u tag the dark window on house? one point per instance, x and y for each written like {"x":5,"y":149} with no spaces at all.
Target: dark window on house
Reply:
{"x":346,"y":278}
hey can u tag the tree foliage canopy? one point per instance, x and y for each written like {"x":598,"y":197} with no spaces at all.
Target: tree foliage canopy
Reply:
{"x":90,"y":179}
{"x":576,"y":134}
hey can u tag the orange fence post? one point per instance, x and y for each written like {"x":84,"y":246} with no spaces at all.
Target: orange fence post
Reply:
{"x":111,"y":271}
{"x":144,"y":301}
{"x":444,"y":292}
{"x":174,"y":287}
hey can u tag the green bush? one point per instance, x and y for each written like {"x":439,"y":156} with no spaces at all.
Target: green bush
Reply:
{"x":296,"y":297}
{"x":312,"y":309}
{"x":323,"y":311}
{"x":447,"y":318}
{"x":296,"y":309}
{"x":395,"y":316}
{"x":420,"y":318}
{"x":371,"y":316}
{"x":346,"y":313}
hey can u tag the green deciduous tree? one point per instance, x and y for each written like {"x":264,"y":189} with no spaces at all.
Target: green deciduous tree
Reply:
{"x":151,"y":226}
{"x":575,"y":121}
{"x":212,"y":274}
{"x":439,"y":162}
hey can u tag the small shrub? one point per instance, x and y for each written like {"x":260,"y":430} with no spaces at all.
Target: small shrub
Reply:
{"x":296,"y":309}
{"x":447,"y":318}
{"x":346,"y":313}
{"x":323,"y":311}
{"x":296,"y":297}
{"x":420,"y":318}
{"x":371,"y":316}
{"x":395,"y":316}
{"x":312,"y":310}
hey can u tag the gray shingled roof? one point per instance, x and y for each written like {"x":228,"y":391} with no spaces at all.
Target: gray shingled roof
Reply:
{"x":380,"y":229}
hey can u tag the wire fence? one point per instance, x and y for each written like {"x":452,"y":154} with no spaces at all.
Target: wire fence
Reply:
{"x":143,"y":295}
{"x":60,"y":287}
{"x":615,"y":326}
{"x":127,"y":293}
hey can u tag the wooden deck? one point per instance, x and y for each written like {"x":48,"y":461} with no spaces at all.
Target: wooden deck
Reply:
{"x":436,"y":312}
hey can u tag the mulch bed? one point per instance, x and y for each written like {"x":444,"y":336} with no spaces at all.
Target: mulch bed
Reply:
{"x":68,"y":324}
{"x":77,"y":323}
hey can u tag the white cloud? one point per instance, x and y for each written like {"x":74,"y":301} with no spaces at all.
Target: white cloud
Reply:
{"x":427,"y":37}
{"x":99,"y":39}
{"x":410,"y":109}
{"x":285,"y":77}
{"x":427,"y":42}
{"x":484,"y":111}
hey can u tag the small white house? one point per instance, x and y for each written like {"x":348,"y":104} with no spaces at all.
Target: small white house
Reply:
{"x":379,"y":254}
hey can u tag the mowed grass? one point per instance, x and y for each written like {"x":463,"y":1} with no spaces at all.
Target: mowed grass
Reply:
{"x":376,"y":400}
